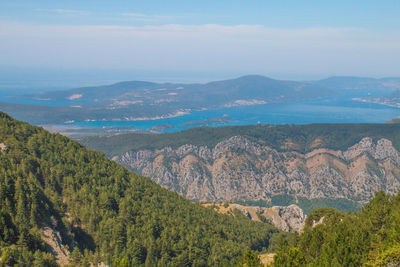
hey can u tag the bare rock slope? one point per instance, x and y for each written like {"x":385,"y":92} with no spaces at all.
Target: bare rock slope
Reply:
{"x":239,"y":169}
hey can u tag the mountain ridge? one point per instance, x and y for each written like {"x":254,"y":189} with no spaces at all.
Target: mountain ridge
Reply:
{"x":237,"y":169}
{"x":335,"y":162}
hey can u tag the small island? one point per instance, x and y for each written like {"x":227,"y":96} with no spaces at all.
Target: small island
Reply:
{"x":223,"y":119}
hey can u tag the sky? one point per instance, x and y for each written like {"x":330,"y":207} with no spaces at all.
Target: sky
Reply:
{"x":282,"y":39}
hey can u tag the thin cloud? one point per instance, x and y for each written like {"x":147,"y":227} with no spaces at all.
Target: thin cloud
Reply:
{"x":146,"y":17}
{"x":136,"y":15}
{"x":63,"y":11}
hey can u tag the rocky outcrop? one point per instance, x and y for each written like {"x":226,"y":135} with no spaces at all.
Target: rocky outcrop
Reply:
{"x":287,"y":219}
{"x":54,"y":245}
{"x":239,"y":169}
{"x":3,"y":147}
{"x":320,"y":221}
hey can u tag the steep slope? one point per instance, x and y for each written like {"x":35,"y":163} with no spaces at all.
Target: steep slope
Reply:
{"x":350,"y":162}
{"x":57,"y":196}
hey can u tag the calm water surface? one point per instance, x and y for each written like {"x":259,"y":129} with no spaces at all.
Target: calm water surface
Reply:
{"x":333,"y":110}
{"x":322,"y":111}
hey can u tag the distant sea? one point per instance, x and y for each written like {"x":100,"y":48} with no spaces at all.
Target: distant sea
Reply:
{"x":333,"y":110}
{"x":340,"y":109}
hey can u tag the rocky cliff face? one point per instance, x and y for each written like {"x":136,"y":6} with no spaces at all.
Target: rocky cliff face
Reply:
{"x":238,"y":169}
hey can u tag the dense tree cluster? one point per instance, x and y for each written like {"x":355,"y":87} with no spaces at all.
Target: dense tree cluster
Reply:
{"x":104,"y":212}
{"x":370,"y":237}
{"x":249,"y":259}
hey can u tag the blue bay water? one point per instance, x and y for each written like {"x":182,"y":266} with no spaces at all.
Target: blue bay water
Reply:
{"x":321,"y":111}
{"x":341,"y":109}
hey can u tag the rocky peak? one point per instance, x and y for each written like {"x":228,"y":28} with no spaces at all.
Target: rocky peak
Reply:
{"x":292,"y":215}
{"x":186,"y":149}
{"x":235,"y":142}
{"x":380,"y":150}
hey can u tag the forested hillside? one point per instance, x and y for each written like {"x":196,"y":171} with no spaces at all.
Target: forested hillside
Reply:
{"x":103,"y":212}
{"x":370,"y":237}
{"x":331,"y":136}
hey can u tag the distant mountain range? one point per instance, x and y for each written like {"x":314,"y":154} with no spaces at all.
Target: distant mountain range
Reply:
{"x":140,"y":100}
{"x":221,"y":91}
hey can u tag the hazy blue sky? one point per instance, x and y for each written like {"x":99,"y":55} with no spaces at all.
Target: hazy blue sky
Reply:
{"x":276,"y":38}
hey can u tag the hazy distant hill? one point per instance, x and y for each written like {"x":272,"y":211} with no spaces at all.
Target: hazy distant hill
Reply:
{"x":136,"y":99}
{"x":221,"y":92}
{"x":359,"y":83}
